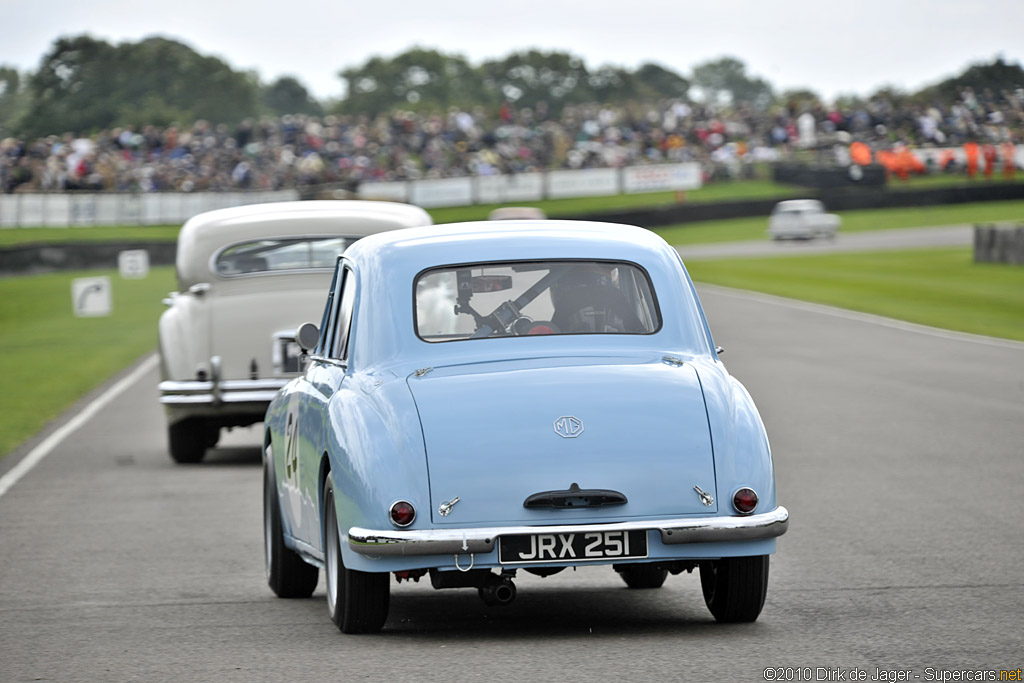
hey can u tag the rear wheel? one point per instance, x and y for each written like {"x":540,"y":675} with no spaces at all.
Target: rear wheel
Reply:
{"x":643,"y":575}
{"x":735,"y":587}
{"x":287,"y":574}
{"x":211,"y":433}
{"x":357,"y":601}
{"x":187,"y":441}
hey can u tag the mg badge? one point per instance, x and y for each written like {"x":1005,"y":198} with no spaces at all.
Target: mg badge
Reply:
{"x":568,"y":427}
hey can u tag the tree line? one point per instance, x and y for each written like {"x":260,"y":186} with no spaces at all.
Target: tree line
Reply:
{"x":84,"y":84}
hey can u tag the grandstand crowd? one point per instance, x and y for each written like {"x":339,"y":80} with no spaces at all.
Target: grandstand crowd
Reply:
{"x":294,"y":151}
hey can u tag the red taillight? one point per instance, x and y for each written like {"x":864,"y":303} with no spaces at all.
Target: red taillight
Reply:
{"x":744,"y":500}
{"x":541,"y":329}
{"x":402,"y":513}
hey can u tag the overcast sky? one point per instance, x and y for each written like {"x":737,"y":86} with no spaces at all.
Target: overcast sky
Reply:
{"x":830,"y":47}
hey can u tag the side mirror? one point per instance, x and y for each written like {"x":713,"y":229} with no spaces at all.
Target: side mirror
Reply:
{"x":307,"y":336}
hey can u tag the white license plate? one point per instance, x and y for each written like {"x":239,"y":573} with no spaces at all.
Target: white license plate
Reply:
{"x":578,"y":546}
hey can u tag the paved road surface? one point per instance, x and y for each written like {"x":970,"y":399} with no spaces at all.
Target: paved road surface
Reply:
{"x":871,"y":240}
{"x":899,"y":454}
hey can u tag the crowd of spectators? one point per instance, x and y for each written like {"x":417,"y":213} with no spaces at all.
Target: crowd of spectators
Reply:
{"x":297,"y":150}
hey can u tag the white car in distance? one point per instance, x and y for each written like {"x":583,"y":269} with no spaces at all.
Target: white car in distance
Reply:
{"x":802,"y":219}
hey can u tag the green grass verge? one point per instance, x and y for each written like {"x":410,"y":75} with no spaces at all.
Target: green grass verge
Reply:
{"x":938,"y":287}
{"x":49,"y":358}
{"x":738,"y":229}
{"x":931,"y":182}
{"x":10,"y":237}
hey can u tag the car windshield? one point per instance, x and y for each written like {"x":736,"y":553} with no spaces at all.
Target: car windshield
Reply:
{"x":534,"y":298}
{"x":299,"y":253}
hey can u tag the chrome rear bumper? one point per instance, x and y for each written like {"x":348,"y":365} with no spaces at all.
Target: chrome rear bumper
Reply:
{"x":194,"y":392}
{"x":482,"y":540}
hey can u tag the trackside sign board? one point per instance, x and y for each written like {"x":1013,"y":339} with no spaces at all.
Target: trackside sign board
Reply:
{"x":91,"y":296}
{"x":133,"y":263}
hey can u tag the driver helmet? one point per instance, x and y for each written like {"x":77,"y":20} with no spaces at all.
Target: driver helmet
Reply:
{"x":584,"y":275}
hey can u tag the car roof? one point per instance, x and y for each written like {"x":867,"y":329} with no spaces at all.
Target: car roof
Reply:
{"x":513,"y":239}
{"x":798,"y":204}
{"x":205,"y":234}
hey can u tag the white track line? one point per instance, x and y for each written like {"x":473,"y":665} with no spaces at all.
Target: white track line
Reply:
{"x":860,"y":317}
{"x":65,"y":430}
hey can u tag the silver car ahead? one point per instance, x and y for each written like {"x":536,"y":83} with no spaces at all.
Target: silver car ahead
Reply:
{"x":247,"y":277}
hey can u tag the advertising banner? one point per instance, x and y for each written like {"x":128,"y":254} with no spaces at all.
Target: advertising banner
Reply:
{"x":517,"y":187}
{"x":8,"y":211}
{"x":442,"y":192}
{"x":82,"y":209}
{"x":661,"y":177}
{"x":106,"y":209}
{"x":385,"y":191}
{"x":193,"y":204}
{"x":57,"y":211}
{"x":32,"y":210}
{"x":591,"y":182}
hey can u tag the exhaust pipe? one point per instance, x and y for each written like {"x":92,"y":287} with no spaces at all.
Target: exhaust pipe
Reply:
{"x":497,"y":590}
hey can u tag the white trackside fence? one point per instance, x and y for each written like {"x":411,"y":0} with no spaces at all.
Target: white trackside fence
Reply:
{"x":53,"y":210}
{"x":531,"y":187}
{"x":169,"y":208}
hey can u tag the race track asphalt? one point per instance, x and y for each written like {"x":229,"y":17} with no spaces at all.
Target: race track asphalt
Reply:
{"x":898,"y":450}
{"x":870,"y":240}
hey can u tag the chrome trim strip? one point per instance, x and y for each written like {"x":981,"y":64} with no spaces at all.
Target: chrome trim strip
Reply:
{"x":481,"y":540}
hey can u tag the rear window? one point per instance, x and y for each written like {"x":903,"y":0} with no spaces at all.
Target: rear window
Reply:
{"x":505,"y":299}
{"x":270,"y":255}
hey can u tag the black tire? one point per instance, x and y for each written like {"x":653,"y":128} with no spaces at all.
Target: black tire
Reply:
{"x":735,"y":587}
{"x":643,"y":575}
{"x":357,"y":601}
{"x":187,"y":441}
{"x":287,"y":574}
{"x":211,"y":434}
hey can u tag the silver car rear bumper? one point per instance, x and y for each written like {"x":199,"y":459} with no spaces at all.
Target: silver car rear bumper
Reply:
{"x":194,"y":392}
{"x":482,"y":540}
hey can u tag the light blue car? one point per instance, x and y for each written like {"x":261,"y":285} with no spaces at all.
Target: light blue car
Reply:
{"x":481,"y":399}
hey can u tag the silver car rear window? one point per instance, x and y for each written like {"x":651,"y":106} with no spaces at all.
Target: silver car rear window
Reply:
{"x":271,"y":255}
